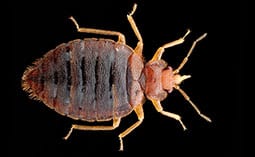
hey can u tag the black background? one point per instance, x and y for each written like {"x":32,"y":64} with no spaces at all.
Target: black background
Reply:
{"x":39,"y":26}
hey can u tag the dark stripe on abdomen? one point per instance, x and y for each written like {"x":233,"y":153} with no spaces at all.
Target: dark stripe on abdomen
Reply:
{"x":88,"y":103}
{"x":63,"y":67}
{"x":120,"y":81}
{"x":105,"y":59}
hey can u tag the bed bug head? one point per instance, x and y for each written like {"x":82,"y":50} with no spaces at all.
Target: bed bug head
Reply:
{"x":170,"y":79}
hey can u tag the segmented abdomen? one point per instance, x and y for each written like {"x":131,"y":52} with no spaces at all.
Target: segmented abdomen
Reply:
{"x":84,"y":79}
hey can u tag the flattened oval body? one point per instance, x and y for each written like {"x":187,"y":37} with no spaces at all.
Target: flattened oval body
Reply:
{"x":90,"y":79}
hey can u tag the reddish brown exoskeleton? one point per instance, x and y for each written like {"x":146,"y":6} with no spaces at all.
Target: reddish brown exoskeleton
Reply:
{"x":102,"y":80}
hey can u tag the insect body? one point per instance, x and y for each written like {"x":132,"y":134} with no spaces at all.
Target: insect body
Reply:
{"x":101,"y":79}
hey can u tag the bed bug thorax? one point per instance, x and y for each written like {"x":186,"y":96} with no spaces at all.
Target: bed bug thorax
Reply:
{"x":102,"y":80}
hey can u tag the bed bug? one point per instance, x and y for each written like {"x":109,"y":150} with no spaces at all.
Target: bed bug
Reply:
{"x":102,"y":79}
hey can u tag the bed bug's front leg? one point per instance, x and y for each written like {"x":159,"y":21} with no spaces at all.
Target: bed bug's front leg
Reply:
{"x":159,"y":52}
{"x":159,"y":108}
{"x":139,"y":47}
{"x":121,"y":37}
{"x":139,"y":112}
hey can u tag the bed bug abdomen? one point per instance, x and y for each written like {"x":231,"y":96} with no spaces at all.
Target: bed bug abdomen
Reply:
{"x":76,"y":79}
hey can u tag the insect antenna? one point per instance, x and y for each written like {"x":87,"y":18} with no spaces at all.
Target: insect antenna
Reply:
{"x":185,"y":60}
{"x":192,"y":104}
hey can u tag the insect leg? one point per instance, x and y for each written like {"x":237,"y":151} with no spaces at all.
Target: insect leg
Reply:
{"x":159,"y":108}
{"x":190,"y":51}
{"x":192,"y":104}
{"x":116,"y":123}
{"x":139,"y":46}
{"x":121,"y":37}
{"x":139,"y":112}
{"x":159,"y":52}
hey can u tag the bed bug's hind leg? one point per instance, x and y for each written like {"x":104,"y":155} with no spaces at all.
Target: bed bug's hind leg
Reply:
{"x":159,"y":108}
{"x":116,"y":123}
{"x":159,"y":52}
{"x":139,"y":46}
{"x":139,"y":112}
{"x":121,"y":37}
